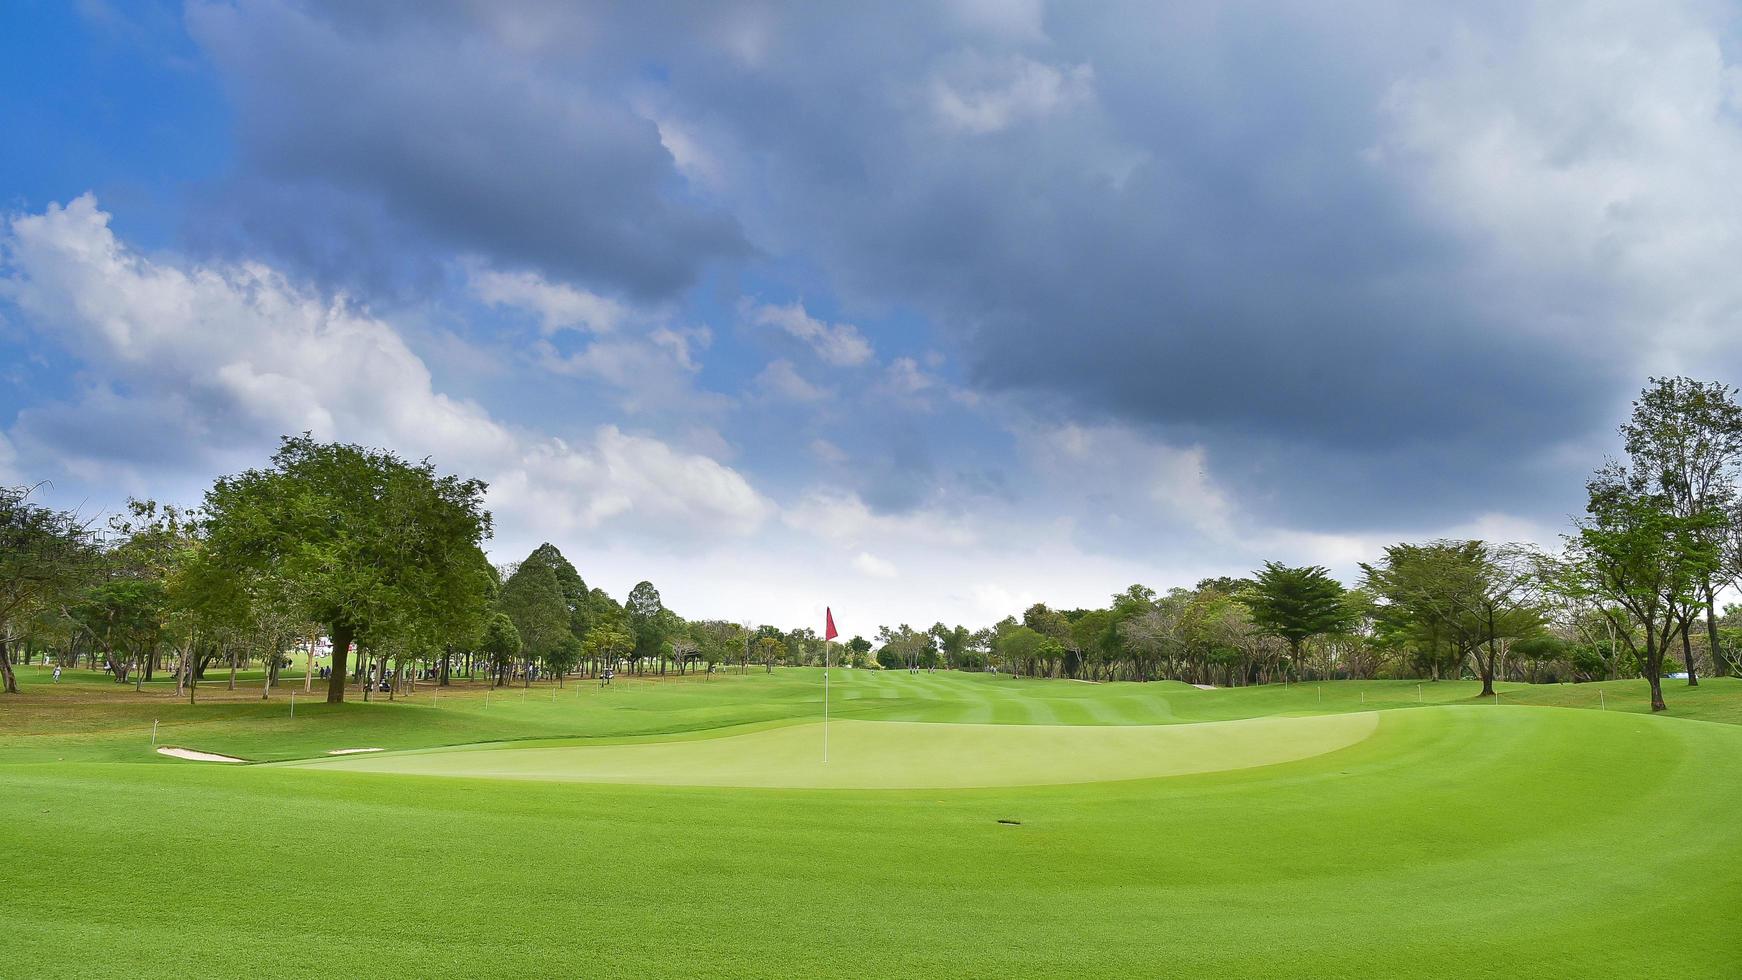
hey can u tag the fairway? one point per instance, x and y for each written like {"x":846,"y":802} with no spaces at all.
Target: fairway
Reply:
{"x":899,"y":755}
{"x":688,"y":828}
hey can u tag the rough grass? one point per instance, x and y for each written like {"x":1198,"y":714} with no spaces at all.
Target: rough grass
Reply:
{"x":1459,"y":839}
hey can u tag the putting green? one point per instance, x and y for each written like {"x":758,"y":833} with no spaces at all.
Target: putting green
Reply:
{"x":896,"y":755}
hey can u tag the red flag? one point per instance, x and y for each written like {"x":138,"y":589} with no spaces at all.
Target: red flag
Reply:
{"x":829,"y":624}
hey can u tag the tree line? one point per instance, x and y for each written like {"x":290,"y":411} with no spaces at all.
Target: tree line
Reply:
{"x":376,"y":558}
{"x":1633,"y":587}
{"x":382,"y":558}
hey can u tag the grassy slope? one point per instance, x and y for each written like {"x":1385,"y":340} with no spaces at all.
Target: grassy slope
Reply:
{"x":1461,"y":839}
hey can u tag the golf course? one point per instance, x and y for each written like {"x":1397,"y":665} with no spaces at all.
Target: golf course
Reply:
{"x":965,"y":824}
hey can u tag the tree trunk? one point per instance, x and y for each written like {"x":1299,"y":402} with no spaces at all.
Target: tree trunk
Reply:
{"x":1654,"y":669}
{"x":7,"y":677}
{"x":1720,"y":663}
{"x":1688,"y":652}
{"x":341,"y":634}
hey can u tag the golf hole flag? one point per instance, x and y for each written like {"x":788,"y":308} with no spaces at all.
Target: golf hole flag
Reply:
{"x":829,"y":624}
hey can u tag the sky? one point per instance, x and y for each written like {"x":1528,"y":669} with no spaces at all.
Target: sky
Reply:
{"x":922,"y":312}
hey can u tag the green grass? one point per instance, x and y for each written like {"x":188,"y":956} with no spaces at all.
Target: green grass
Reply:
{"x":896,"y":755}
{"x":1455,"y":838}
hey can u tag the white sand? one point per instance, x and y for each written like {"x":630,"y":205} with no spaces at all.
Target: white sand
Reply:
{"x":1205,"y":687}
{"x":350,"y":751}
{"x":197,"y":756}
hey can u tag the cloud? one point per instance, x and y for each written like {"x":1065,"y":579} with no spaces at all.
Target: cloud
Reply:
{"x":1215,"y":284}
{"x":1138,"y":480}
{"x":208,"y":364}
{"x":977,"y":94}
{"x":905,"y":377}
{"x":1331,"y":259}
{"x":845,"y":519}
{"x":623,"y":474}
{"x":874,"y":566}
{"x":840,"y":344}
{"x":1587,"y":155}
{"x":653,"y":374}
{"x":558,"y":306}
{"x":450,"y":133}
{"x":828,"y":452}
{"x":782,"y":380}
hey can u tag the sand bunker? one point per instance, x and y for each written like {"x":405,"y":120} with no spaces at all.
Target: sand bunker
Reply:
{"x":350,"y":751}
{"x":193,"y":756}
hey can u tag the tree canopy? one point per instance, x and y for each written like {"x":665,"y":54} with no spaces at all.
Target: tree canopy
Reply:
{"x":1296,"y":604}
{"x":372,"y":546}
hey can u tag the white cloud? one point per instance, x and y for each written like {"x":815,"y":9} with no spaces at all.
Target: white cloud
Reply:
{"x":782,"y":380}
{"x":840,"y":344}
{"x":688,"y":155}
{"x":905,"y":377}
{"x":874,"y":566}
{"x":827,"y":451}
{"x":558,"y":306}
{"x":980,"y":94}
{"x":622,"y":474}
{"x":652,"y":375}
{"x":228,"y":357}
{"x":1589,"y":155}
{"x":1167,"y":482}
{"x":845,"y":519}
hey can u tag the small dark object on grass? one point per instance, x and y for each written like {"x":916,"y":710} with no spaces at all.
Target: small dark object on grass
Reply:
{"x":1011,"y":823}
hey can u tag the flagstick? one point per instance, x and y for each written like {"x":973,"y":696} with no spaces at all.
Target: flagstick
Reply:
{"x":826,"y":645}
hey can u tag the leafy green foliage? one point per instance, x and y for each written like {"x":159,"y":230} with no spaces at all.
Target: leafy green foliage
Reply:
{"x":1645,"y":562}
{"x":45,"y":555}
{"x":374,"y":547}
{"x":1296,"y":604}
{"x":533,"y":599}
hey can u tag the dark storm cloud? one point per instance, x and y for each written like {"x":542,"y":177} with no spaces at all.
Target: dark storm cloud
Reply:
{"x":1201,"y":245}
{"x":448,"y":134}
{"x":1178,"y":219}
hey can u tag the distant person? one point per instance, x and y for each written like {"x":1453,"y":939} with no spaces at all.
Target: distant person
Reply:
{"x":57,"y":673}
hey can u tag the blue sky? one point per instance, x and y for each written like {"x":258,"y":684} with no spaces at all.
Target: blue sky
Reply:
{"x":923,"y":313}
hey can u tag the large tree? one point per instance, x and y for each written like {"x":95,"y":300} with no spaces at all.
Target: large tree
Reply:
{"x":45,"y":556}
{"x":1296,"y":604}
{"x":1470,"y":594}
{"x":362,"y":541}
{"x":532,"y":597}
{"x":500,"y":642}
{"x":569,"y":583}
{"x":1686,"y":437}
{"x":1642,"y":560}
{"x":647,"y":622}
